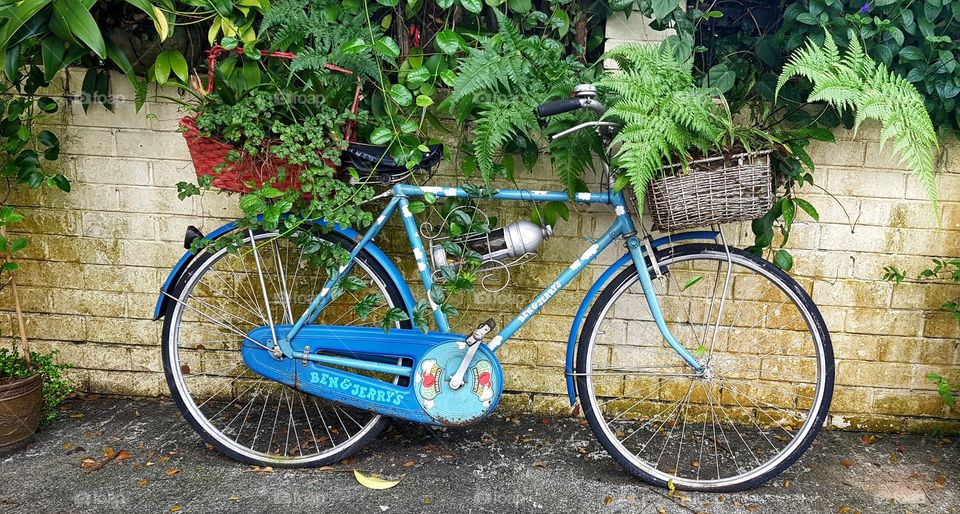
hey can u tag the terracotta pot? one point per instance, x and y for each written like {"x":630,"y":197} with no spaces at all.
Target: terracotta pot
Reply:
{"x":20,"y":402}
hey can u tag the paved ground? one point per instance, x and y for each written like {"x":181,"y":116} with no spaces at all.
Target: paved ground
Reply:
{"x":504,"y":464}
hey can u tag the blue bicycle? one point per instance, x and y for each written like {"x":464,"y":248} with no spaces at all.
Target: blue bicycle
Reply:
{"x":696,"y":364}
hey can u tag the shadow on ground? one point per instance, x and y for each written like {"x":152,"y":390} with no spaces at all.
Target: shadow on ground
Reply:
{"x":504,"y":464}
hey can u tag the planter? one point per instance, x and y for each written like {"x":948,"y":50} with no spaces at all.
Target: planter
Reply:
{"x":20,"y":402}
{"x":210,"y":158}
{"x":716,"y":190}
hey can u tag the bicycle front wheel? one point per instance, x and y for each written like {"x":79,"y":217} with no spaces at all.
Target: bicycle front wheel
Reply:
{"x":761,"y":398}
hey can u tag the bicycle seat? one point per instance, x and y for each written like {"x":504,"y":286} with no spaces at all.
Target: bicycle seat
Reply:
{"x":373,"y":159}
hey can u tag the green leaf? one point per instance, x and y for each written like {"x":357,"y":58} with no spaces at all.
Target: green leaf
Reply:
{"x":692,"y":282}
{"x":560,"y":21}
{"x":807,"y":208}
{"x":161,"y":68}
{"x":474,"y":6}
{"x":401,"y":95}
{"x":392,"y":316}
{"x":388,"y":3}
{"x":61,"y":183}
{"x":52,"y":50}
{"x":381,"y":136}
{"x":47,"y":104}
{"x":424,"y":101}
{"x":48,"y":139}
{"x":18,"y":244}
{"x":229,"y":43}
{"x":17,"y":16}
{"x":808,"y":19}
{"x":417,"y":207}
{"x":352,"y":284}
{"x":520,"y":6}
{"x":387,"y":47}
{"x":721,"y":78}
{"x":449,"y":42}
{"x":661,"y":8}
{"x":251,"y":75}
{"x":783,"y":260}
{"x":354,"y":46}
{"x":444,"y":4}
{"x":77,"y":18}
{"x":251,"y":52}
{"x":178,"y":64}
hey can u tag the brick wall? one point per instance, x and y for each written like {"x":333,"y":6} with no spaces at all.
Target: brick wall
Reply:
{"x":99,"y":255}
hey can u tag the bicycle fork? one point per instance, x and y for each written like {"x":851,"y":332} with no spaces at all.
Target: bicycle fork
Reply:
{"x":646,"y":283}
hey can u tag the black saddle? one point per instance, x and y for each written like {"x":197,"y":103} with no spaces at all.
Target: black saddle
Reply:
{"x":373,"y":160}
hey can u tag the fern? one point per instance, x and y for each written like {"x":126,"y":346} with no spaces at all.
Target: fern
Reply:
{"x":499,"y":84}
{"x":852,"y":81}
{"x":664,"y":115}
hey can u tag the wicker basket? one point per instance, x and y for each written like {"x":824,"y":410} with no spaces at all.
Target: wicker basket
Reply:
{"x":714,"y":190}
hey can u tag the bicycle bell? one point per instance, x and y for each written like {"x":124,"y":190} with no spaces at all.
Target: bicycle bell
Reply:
{"x":515,"y":240}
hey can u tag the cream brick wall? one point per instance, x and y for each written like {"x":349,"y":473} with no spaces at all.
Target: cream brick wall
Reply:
{"x":99,"y":255}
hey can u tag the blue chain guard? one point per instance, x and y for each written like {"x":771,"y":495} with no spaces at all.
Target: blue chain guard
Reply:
{"x":424,"y":397}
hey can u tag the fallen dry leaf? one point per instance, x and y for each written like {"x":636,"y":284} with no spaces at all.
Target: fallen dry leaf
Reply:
{"x":844,"y":509}
{"x":409,"y":464}
{"x":786,"y":484}
{"x":845,"y":463}
{"x":234,"y":498}
{"x":171,"y":472}
{"x":869,"y":439}
{"x":142,"y":483}
{"x":67,"y":446}
{"x":539,"y":464}
{"x":123,"y":455}
{"x":88,"y":463}
{"x":374,"y":482}
{"x":893,"y":458}
{"x":175,"y":508}
{"x":608,"y":500}
{"x":695,"y":463}
{"x":941,"y":481}
{"x":752,"y":507}
{"x":915,"y":475}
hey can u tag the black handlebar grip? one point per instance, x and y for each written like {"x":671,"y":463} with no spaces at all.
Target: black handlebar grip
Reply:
{"x":558,"y":107}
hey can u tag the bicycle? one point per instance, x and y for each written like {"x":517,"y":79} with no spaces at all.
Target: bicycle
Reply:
{"x":697,"y":366}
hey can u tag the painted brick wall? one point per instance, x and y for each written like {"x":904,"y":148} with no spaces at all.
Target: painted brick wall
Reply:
{"x":99,"y":255}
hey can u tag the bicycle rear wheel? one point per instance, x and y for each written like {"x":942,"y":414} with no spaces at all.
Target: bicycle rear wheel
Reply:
{"x":767,"y":381}
{"x":220,"y":299}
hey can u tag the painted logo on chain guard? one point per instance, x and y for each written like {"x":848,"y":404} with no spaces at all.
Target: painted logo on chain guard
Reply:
{"x":476,"y":398}
{"x":400,"y":397}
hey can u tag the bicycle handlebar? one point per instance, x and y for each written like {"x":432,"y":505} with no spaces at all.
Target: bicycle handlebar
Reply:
{"x":559,"y":107}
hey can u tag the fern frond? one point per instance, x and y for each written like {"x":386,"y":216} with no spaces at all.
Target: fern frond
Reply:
{"x":496,"y":124}
{"x":853,"y":81}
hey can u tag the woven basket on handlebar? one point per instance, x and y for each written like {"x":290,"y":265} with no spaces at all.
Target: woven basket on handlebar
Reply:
{"x":714,"y":190}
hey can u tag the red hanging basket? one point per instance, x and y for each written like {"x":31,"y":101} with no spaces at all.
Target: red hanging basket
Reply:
{"x":212,"y":157}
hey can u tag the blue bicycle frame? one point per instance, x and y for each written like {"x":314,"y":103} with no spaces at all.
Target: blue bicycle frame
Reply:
{"x":622,"y":227}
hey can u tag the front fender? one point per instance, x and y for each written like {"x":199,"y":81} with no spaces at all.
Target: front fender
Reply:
{"x":178,"y":270}
{"x":601,"y":282}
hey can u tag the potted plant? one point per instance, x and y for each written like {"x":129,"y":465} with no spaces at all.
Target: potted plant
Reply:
{"x":31,"y":385}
